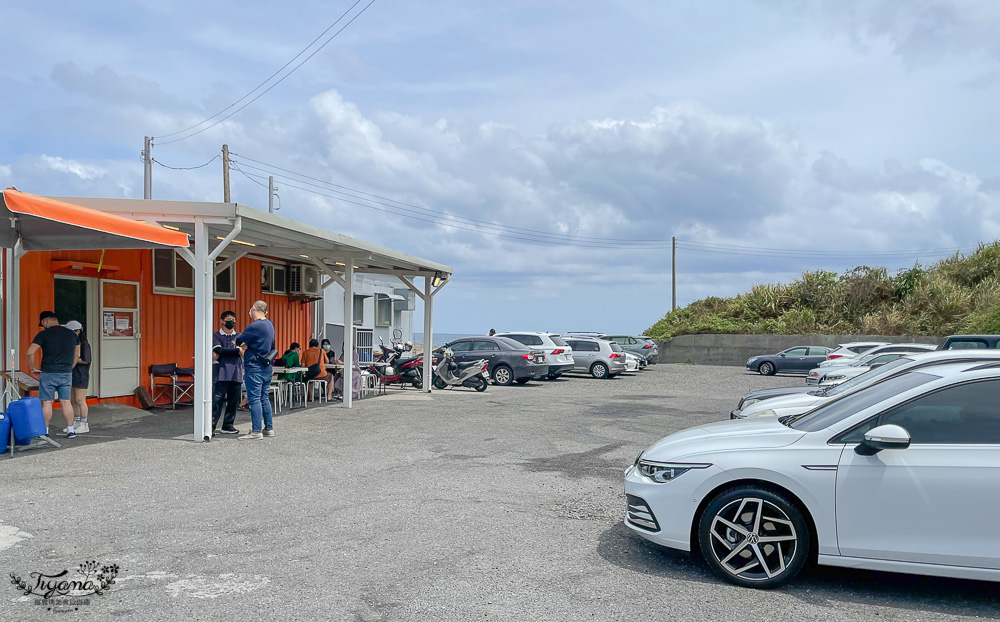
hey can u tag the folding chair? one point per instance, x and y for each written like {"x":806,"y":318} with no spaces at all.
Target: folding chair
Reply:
{"x":184,"y":388}
{"x":162,"y":381}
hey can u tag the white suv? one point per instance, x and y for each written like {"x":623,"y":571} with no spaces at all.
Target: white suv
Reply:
{"x":558,"y":354}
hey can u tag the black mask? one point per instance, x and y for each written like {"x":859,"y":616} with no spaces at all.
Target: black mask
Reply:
{"x":230,"y":323}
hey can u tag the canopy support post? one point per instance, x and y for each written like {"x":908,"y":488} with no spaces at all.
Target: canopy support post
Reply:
{"x":428,"y":298}
{"x":348,"y":383}
{"x":204,"y":277}
{"x":12,"y":301}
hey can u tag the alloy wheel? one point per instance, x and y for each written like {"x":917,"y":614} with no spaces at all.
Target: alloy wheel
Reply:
{"x":753,"y":539}
{"x":502,"y":375}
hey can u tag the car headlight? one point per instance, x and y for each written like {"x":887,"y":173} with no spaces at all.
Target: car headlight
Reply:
{"x":764,"y":413}
{"x":749,"y":402}
{"x":752,"y":359}
{"x":663,"y":472}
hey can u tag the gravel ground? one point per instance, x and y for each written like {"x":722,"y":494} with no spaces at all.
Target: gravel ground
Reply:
{"x":500,"y":505}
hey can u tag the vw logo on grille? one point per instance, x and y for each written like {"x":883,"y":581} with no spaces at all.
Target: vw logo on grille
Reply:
{"x":752,"y":538}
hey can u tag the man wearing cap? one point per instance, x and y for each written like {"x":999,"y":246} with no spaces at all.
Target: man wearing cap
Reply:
{"x":60,"y":349}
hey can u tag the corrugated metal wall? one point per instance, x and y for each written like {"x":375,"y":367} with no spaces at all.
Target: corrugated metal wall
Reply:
{"x":166,"y":322}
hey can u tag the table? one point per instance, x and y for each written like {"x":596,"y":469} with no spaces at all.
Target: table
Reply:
{"x":23,"y":382}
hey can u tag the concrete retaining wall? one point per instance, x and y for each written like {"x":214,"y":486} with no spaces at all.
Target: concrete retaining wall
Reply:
{"x":736,"y":349}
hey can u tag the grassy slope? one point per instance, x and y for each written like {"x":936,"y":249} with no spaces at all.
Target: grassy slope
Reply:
{"x":960,"y":294}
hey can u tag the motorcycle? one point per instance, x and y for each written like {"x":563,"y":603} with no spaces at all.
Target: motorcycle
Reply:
{"x":449,"y":373}
{"x":397,"y":369}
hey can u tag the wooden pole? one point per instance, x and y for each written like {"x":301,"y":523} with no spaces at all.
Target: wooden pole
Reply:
{"x":225,"y":173}
{"x":673,"y":274}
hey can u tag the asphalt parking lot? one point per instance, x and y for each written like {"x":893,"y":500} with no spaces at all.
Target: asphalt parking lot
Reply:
{"x":500,"y":505}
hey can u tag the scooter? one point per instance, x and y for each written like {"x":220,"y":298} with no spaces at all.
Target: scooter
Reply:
{"x":448,"y":373}
{"x":398,"y":370}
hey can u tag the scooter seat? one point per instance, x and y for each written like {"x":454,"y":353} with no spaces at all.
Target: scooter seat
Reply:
{"x":466,"y":365}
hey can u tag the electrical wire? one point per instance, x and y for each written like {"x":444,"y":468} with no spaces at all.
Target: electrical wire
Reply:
{"x":729,"y":247}
{"x":233,"y":164}
{"x":186,"y":168}
{"x":279,"y":81}
{"x":432,"y":211}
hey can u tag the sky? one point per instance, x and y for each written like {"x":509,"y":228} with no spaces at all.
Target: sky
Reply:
{"x":769,"y":137}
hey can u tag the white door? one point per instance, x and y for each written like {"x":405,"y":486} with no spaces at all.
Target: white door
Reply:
{"x":119,"y":338}
{"x":937,"y":501}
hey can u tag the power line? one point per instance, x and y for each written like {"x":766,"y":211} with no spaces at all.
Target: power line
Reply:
{"x":729,"y":247}
{"x":279,"y":81}
{"x":816,"y":258}
{"x":185,"y":168}
{"x":233,"y":164}
{"x":272,"y":168}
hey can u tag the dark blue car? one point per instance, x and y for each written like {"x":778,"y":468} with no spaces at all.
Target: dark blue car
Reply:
{"x":797,"y":360}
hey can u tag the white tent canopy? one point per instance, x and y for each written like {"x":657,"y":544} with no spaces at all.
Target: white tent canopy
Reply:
{"x":229,"y":231}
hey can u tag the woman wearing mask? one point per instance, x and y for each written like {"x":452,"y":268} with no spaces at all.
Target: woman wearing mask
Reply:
{"x":331,"y":356}
{"x":81,"y":380}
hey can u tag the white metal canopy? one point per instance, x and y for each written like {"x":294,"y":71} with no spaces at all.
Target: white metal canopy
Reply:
{"x":239,"y":231}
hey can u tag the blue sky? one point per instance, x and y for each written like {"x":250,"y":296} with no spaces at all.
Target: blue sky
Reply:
{"x":801,"y":125}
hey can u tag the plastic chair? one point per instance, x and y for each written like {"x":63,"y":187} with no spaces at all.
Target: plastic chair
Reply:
{"x":161,"y":373}
{"x":275,"y":389}
{"x":183,"y":388}
{"x":312,"y":385}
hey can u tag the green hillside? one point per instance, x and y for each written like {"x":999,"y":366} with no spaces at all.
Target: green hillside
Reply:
{"x":960,"y":294}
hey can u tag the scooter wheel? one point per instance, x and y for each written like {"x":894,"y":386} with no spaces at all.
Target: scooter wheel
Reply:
{"x":439,"y":384}
{"x":418,"y":383}
{"x":481,"y":386}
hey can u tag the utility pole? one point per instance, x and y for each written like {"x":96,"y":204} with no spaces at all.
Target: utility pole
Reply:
{"x":270,"y":194}
{"x":147,"y":168}
{"x":225,"y":173}
{"x":673,"y":274}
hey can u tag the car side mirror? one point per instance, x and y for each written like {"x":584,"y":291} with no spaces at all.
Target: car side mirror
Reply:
{"x":874,"y":365}
{"x":781,"y":354}
{"x":888,"y":436}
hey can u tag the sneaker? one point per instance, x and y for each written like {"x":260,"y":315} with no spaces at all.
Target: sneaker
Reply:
{"x":82,"y":428}
{"x":71,"y":434}
{"x":252,"y":436}
{"x":268,"y":432}
{"x":229,"y":431}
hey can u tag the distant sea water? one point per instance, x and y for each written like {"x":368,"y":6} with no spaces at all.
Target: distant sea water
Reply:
{"x":442,"y":338}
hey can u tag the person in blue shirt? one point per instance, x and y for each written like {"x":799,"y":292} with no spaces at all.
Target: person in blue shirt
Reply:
{"x":227,"y":373}
{"x":257,"y":346}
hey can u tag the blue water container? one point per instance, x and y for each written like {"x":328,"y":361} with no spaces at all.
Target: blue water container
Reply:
{"x":26,"y":418}
{"x":4,"y":432}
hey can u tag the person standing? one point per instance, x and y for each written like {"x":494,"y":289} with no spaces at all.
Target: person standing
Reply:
{"x":227,"y":374}
{"x":257,"y":346}
{"x":60,"y":350}
{"x":81,"y":380}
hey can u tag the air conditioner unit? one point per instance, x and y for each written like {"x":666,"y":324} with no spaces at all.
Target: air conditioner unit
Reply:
{"x":303,"y":280}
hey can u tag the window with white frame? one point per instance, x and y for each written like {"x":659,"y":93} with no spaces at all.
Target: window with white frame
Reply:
{"x":174,"y":276}
{"x":383,"y":310}
{"x":273,"y":278}
{"x":359,"y":309}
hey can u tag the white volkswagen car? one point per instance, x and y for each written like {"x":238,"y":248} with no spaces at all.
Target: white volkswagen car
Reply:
{"x":558,"y":354}
{"x":903,"y":476}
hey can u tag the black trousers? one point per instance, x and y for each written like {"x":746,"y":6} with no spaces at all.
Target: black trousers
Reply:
{"x":227,"y":393}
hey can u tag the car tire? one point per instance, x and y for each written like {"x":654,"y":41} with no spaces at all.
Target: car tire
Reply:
{"x":600,"y":371}
{"x":766,"y":369}
{"x":522,"y":380}
{"x":502,"y":375}
{"x":481,"y":386}
{"x":731,"y":529}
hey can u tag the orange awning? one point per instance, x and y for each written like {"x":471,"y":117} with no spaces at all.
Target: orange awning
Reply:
{"x":44,"y":224}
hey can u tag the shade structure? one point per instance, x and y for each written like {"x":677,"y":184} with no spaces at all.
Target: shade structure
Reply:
{"x":44,"y":224}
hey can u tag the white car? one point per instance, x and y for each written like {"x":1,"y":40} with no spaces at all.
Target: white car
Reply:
{"x":903,"y":476}
{"x":853,"y":367}
{"x":558,"y":354}
{"x":853,"y":348}
{"x":801,"y":402}
{"x":881,"y":349}
{"x":632,"y":362}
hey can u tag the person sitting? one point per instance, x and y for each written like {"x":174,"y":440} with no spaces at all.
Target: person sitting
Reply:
{"x":291,"y":358}
{"x":356,"y":379}
{"x":315,"y":359}
{"x":331,"y":356}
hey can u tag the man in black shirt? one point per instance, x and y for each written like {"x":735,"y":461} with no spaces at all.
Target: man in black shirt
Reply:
{"x":60,"y":350}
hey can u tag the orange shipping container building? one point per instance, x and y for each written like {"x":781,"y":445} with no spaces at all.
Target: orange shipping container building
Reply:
{"x":115,"y":296}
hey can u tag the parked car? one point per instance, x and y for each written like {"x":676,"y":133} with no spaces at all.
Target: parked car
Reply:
{"x":797,"y":360}
{"x":823,"y":375}
{"x":795,"y":404}
{"x":882,"y":349}
{"x":854,"y":348}
{"x":509,"y":361}
{"x":840,"y":484}
{"x":631,"y":344}
{"x":971,"y":342}
{"x":654,"y":352}
{"x":800,"y":399}
{"x":599,"y":358}
{"x":632,"y":362}
{"x":558,"y":354}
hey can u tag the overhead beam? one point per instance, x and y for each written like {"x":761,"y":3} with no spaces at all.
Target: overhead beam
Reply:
{"x":412,"y":287}
{"x":327,"y":270}
{"x":232,"y":259}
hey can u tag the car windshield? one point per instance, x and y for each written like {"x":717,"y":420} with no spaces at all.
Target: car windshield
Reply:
{"x":878,"y":372}
{"x":556,"y":339}
{"x":615,"y":347}
{"x":839,"y":409}
{"x":513,"y":345}
{"x":863,"y":360}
